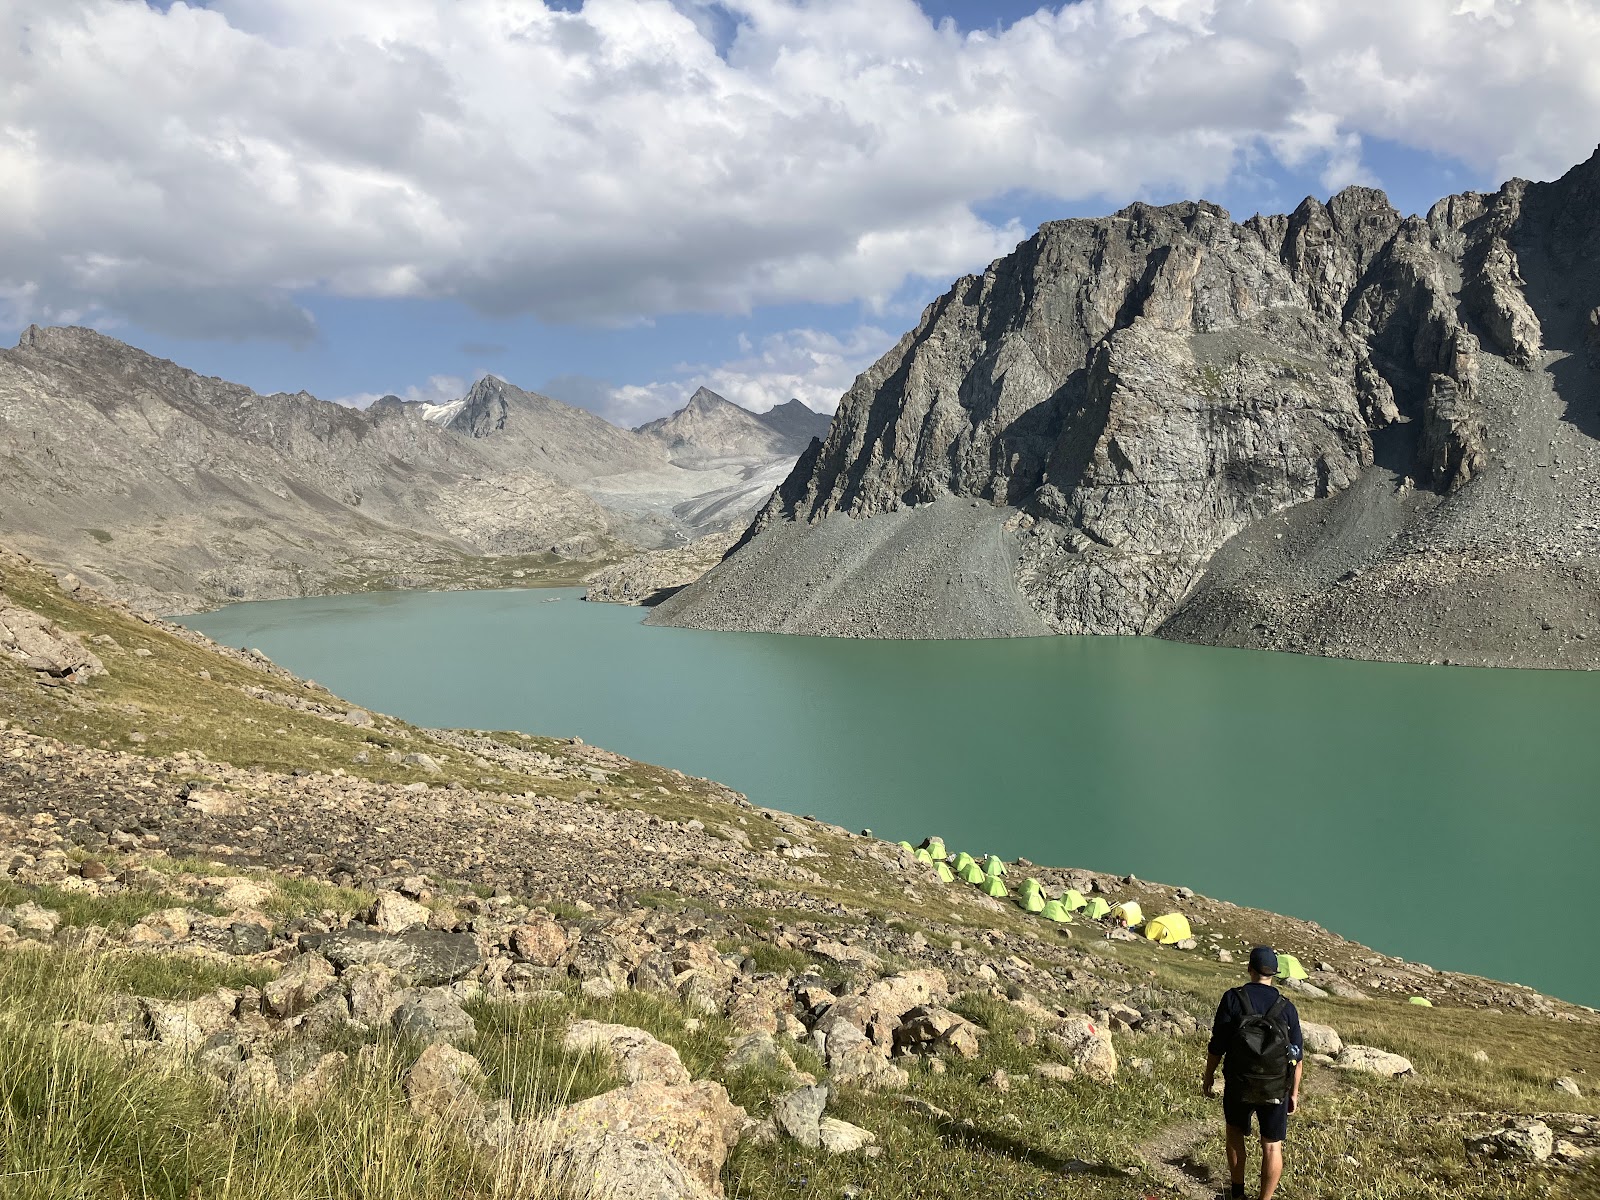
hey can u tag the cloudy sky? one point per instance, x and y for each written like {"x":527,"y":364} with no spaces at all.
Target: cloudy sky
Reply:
{"x":617,"y":200}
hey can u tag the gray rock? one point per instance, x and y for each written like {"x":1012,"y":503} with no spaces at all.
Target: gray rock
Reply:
{"x":798,"y":1114}
{"x":841,"y":1137}
{"x":1321,"y":1039}
{"x":431,"y":1015}
{"x":1369,"y":1061}
{"x":423,"y":957}
{"x":1522,"y":1140}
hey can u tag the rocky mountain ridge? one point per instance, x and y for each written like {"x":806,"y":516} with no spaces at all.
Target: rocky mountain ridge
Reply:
{"x":1133,"y":401}
{"x":184,"y":491}
{"x":710,"y":428}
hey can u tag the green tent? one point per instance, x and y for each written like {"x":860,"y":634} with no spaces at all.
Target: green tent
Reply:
{"x":1420,"y":1001}
{"x":1073,"y":900}
{"x":906,"y":846}
{"x":1289,"y":967}
{"x":1096,"y":908}
{"x":935,"y":847}
{"x":946,"y":875}
{"x":1030,"y":901}
{"x":924,"y":858}
{"x":993,"y":866}
{"x":1054,"y":910}
{"x":1032,"y":885}
{"x":972,"y":873}
{"x":962,"y":862}
{"x":993,"y":887}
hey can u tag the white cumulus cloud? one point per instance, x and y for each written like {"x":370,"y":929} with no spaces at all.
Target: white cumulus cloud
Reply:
{"x":195,"y":169}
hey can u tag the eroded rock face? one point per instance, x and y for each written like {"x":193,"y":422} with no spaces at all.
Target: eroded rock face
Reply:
{"x":40,"y":645}
{"x":1145,"y":387}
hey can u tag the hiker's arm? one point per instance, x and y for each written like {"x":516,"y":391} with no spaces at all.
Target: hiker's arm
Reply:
{"x":1209,"y":1084}
{"x":1294,"y":1092}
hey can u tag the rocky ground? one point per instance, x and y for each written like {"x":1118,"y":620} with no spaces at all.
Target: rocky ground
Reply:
{"x":651,"y":577}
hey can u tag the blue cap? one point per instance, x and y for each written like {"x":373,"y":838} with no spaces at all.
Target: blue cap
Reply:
{"x":1264,"y":960}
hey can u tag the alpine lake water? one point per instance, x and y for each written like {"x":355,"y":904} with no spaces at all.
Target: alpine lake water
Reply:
{"x":1445,"y":814}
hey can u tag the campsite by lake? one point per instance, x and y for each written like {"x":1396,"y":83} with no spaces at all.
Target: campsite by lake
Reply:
{"x":1446,"y":814}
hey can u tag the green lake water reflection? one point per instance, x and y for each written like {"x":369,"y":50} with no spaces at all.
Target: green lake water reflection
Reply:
{"x":1431,"y":812}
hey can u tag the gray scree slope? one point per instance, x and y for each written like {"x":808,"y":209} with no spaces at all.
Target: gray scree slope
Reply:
{"x":1341,"y":432}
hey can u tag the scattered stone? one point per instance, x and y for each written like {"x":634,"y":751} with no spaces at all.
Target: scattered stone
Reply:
{"x":841,"y":1137}
{"x":1520,"y":1141}
{"x":393,"y":913}
{"x":442,"y":1085}
{"x":1086,"y":1047}
{"x":1373,"y":1062}
{"x":798,"y":1114}
{"x":540,"y":942}
{"x":298,"y":985}
{"x":431,"y":1015}
{"x":1321,"y":1039}
{"x":1569,"y":1086}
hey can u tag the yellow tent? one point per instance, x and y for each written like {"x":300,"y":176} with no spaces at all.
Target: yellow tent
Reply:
{"x":1289,"y":967}
{"x":1168,"y":930}
{"x":1420,"y":1001}
{"x":1130,"y":912}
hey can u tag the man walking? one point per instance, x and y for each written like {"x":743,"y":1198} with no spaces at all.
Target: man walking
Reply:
{"x":1257,"y":1035}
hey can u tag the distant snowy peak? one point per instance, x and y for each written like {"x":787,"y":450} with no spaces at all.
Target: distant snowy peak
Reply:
{"x":441,"y":414}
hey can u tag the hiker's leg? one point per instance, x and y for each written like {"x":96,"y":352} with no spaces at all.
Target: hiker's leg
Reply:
{"x":1236,"y":1156}
{"x":1271,"y":1168}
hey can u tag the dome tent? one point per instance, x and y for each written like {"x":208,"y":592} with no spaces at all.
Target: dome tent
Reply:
{"x":924,"y":858}
{"x":1168,"y":930}
{"x":993,"y":866}
{"x":1054,"y":910}
{"x":935,"y":847}
{"x":946,"y":875}
{"x":1072,"y":900}
{"x":972,"y":873}
{"x":1130,"y":912}
{"x":907,"y":847}
{"x":1419,"y":1001}
{"x":1030,"y":901}
{"x":1289,"y":967}
{"x":962,"y":862}
{"x":1032,"y":885}
{"x":1096,"y":908}
{"x":993,"y":887}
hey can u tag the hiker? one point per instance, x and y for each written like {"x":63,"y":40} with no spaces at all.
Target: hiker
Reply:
{"x":1256,"y":1035}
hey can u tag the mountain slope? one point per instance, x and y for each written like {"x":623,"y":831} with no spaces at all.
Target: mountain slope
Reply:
{"x":177,"y":489}
{"x":1142,"y":404}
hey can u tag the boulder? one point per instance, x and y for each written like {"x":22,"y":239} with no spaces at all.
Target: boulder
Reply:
{"x":187,"y":1024}
{"x":540,"y":942}
{"x":30,"y":920}
{"x":841,"y":1137}
{"x":421,"y":957}
{"x":1373,"y":1062}
{"x":442,"y":1085}
{"x":393,"y":913}
{"x":373,"y":992}
{"x":1085,"y":1046}
{"x":40,"y":645}
{"x":1521,"y":1140}
{"x":757,"y":1050}
{"x":306,"y":1075}
{"x":1321,"y":1039}
{"x":431,"y":1015}
{"x":1569,"y":1086}
{"x":853,"y":1058}
{"x":298,"y":985}
{"x":799,"y":1114}
{"x":637,"y":1056}
{"x":929,"y":1029}
{"x":693,"y":1125}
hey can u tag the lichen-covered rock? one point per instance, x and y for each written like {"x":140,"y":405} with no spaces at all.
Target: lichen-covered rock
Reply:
{"x":442,"y":1085}
{"x":1523,"y":1140}
{"x":637,"y":1056}
{"x":1085,"y":1046}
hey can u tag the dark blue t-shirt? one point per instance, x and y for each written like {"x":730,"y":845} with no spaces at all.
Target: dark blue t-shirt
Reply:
{"x":1262,"y":996}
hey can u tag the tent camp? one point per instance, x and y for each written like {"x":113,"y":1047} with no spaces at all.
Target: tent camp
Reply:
{"x":1130,"y":912}
{"x":962,"y":862}
{"x":993,"y":866}
{"x":1289,"y":967}
{"x":1054,"y":910}
{"x":935,"y":847}
{"x":1030,"y":901}
{"x":907,"y":847}
{"x":1096,"y":908}
{"x":972,"y":873}
{"x":1072,"y":900}
{"x":993,"y":887}
{"x":1420,"y":1001}
{"x":924,"y":858}
{"x":946,"y":875}
{"x":1168,"y":930}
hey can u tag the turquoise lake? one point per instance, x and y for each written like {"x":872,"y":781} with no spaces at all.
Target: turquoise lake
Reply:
{"x":1445,"y":814}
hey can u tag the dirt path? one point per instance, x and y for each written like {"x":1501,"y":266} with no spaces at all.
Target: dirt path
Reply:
{"x":1170,"y":1155}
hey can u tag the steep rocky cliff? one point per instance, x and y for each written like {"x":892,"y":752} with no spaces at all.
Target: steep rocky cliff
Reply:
{"x":1134,"y":401}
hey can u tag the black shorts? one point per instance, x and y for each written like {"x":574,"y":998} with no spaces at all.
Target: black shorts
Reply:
{"x":1273,"y":1118}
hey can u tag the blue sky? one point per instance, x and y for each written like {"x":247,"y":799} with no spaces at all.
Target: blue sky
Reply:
{"x":620,"y":200}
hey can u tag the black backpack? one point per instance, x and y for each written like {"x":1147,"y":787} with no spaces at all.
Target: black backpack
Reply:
{"x":1258,"y":1066}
